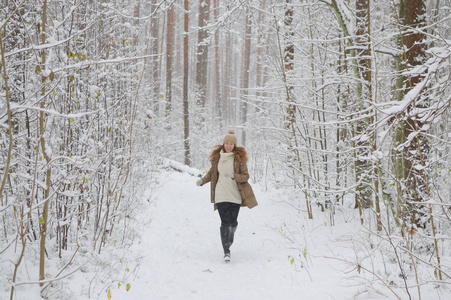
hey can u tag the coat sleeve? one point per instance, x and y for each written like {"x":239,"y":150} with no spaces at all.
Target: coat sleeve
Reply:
{"x":243,"y":173}
{"x":207,"y":178}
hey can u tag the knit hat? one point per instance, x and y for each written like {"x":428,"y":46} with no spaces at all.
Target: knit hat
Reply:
{"x":230,"y":137}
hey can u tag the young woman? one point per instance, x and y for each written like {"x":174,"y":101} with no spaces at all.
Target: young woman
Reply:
{"x":229,"y":186}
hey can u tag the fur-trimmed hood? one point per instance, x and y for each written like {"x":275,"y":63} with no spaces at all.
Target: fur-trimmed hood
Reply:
{"x":240,"y":153}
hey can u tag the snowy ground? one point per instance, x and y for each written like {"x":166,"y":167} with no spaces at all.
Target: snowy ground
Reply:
{"x":277,"y":253}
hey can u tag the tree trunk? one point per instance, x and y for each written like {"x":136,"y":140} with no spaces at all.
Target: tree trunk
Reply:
{"x":170,"y":27}
{"x":363,"y":147}
{"x":246,"y":71}
{"x":218,"y":69}
{"x":416,"y":152}
{"x":260,"y":69}
{"x":286,"y":52}
{"x":225,"y":101}
{"x":45,"y":210}
{"x":288,"y":58}
{"x":202,"y":53}
{"x":136,"y":12}
{"x":185,"y":84}
{"x":155,"y":78}
{"x":10,"y":125}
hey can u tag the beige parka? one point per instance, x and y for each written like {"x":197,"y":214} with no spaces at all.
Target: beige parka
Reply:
{"x":241,"y":176}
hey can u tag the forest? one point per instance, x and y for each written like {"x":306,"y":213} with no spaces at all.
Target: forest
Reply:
{"x":336,"y":99}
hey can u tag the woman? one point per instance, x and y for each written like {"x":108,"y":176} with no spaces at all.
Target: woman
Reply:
{"x":229,"y":187}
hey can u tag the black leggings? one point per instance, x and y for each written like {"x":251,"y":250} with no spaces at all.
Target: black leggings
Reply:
{"x":229,"y":213}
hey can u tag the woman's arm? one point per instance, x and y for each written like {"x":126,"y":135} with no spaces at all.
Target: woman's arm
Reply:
{"x":206,"y":178}
{"x":243,"y":173}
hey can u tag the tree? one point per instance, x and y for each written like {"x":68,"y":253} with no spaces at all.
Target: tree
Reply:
{"x":218,"y":68}
{"x":363,"y":167}
{"x":412,"y":153}
{"x":246,"y":70}
{"x":48,"y":176}
{"x":154,"y":69}
{"x":71,"y":129}
{"x":351,"y":103}
{"x":185,"y":83}
{"x":202,"y":52}
{"x":170,"y":52}
{"x":360,"y":66}
{"x":287,"y":58}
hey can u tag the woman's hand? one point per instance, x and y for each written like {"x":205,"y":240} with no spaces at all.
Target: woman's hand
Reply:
{"x":199,"y":182}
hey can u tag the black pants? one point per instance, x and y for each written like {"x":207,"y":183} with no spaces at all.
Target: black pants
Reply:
{"x":228,"y":213}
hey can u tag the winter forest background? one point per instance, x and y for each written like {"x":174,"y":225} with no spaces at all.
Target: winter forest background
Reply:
{"x":336,"y":99}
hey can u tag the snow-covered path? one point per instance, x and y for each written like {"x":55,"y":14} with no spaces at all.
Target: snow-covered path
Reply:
{"x":182,"y":255}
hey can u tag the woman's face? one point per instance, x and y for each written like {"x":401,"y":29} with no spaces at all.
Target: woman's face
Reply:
{"x":228,"y":146}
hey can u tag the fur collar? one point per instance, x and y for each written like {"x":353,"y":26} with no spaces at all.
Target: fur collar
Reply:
{"x":240,"y":153}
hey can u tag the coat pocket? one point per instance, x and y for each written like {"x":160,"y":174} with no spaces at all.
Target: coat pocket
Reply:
{"x":246,"y":190}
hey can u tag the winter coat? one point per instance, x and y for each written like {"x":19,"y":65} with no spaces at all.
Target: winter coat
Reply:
{"x":241,"y":176}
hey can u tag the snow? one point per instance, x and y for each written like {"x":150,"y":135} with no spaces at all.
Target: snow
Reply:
{"x":278,"y":253}
{"x":183,"y":253}
{"x":16,"y":107}
{"x":347,"y":16}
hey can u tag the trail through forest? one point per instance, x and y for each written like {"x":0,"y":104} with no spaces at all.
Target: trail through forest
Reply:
{"x":277,"y":253}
